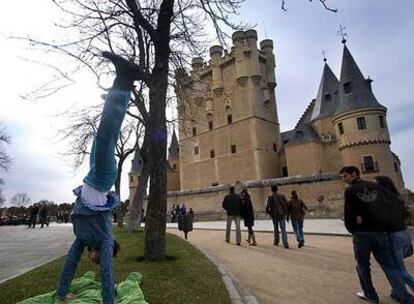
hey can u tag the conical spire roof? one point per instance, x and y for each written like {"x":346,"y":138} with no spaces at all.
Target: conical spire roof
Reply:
{"x":354,"y":90}
{"x":173,"y":150}
{"x":137,"y":163}
{"x":326,"y":99}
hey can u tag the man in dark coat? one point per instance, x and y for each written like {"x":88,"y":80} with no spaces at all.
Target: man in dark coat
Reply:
{"x":277,"y":208}
{"x":369,"y":236}
{"x":43,"y":216}
{"x":233,"y":205}
{"x":33,"y":216}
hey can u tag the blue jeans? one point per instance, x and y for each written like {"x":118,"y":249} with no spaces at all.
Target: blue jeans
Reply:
{"x":102,"y":164}
{"x":279,"y":221}
{"x":95,"y":231}
{"x":379,"y":245}
{"x":298,"y":229}
{"x":400,"y":240}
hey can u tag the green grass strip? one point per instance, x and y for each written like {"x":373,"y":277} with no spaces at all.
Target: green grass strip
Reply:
{"x":187,"y":276}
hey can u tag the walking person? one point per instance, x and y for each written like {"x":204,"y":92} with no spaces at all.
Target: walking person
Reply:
{"x":34,"y":210}
{"x":185,"y":223}
{"x":400,"y":238}
{"x":43,"y":216}
{"x":91,"y":215}
{"x":233,"y":205}
{"x":248,"y":216}
{"x":297,"y":210}
{"x":361,"y":206}
{"x":277,"y":208}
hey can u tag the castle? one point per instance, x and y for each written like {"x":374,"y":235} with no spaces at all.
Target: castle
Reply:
{"x":229,"y":129}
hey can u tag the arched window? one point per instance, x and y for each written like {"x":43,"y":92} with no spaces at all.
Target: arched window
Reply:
{"x":196,"y":150}
{"x":210,"y":121}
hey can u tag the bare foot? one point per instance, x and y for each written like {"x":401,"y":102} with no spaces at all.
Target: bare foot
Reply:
{"x":70,"y":296}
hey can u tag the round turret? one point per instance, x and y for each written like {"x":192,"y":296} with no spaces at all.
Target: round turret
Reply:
{"x":238,"y":36}
{"x":197,"y":63}
{"x":216,"y":50}
{"x":267,"y":43}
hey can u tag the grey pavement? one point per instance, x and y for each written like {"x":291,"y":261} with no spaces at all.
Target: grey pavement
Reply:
{"x":23,"y":249}
{"x":311,"y":226}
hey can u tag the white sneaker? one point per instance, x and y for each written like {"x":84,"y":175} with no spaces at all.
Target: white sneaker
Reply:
{"x":361,"y":295}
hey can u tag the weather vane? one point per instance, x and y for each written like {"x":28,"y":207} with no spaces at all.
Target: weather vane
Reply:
{"x":324,"y":55}
{"x":342,"y":33}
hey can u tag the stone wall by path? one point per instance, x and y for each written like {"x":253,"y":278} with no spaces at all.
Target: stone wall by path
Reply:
{"x":328,"y":188}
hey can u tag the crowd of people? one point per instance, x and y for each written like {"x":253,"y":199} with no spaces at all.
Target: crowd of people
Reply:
{"x":374,"y":213}
{"x":278,"y":208}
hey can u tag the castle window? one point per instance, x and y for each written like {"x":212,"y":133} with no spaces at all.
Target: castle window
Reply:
{"x":285,"y":171}
{"x":348,"y":87}
{"x":274,"y":147}
{"x":233,"y":149}
{"x":131,"y":178}
{"x":327,"y":96}
{"x":361,"y":123}
{"x":395,"y":167}
{"x":341,"y":128}
{"x":210,"y":125}
{"x":212,"y":155}
{"x":382,"y":121}
{"x":196,"y":150}
{"x":229,"y":118}
{"x":174,"y":166}
{"x":369,"y":165}
{"x":194,"y":131}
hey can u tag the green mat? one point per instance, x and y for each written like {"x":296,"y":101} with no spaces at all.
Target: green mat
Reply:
{"x":88,"y":291}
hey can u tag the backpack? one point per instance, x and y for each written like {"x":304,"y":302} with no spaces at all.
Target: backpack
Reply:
{"x":385,"y":208}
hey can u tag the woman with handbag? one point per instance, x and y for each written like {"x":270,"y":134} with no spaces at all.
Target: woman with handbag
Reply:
{"x":248,"y":216}
{"x":401,"y":244}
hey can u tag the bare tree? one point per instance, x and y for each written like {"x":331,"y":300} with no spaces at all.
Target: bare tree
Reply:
{"x":5,"y":159}
{"x":160,"y":36}
{"x":2,"y":198}
{"x":20,"y":199}
{"x":82,"y":128}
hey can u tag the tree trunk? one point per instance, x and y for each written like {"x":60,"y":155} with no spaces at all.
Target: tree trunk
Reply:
{"x":155,"y":221}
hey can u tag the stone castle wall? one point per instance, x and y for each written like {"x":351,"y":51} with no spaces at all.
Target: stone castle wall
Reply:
{"x":207,"y":202}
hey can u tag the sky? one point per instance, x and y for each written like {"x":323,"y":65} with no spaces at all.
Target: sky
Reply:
{"x":379,"y":36}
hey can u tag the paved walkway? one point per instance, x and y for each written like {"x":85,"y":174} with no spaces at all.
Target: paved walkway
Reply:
{"x":23,"y":249}
{"x":322,"y":272}
{"x":311,"y":226}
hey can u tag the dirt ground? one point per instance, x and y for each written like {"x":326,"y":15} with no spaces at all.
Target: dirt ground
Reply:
{"x":321,"y":272}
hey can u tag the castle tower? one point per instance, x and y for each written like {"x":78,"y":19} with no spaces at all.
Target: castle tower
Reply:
{"x":311,"y":147}
{"x":361,"y":127}
{"x":173,"y":172}
{"x":229,"y":129}
{"x":134,"y":174}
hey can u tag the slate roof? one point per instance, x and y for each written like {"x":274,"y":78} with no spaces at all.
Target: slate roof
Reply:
{"x":326,"y":100}
{"x":361,"y":95}
{"x":136,"y":166}
{"x":173,"y":150}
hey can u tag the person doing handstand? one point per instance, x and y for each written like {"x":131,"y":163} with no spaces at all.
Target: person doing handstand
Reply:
{"x":91,"y":216}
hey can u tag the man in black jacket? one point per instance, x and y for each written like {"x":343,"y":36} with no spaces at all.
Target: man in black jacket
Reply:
{"x":369,"y":232}
{"x":277,"y":208}
{"x":232,"y":204}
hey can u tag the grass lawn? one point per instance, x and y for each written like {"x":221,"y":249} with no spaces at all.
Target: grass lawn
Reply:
{"x":186,"y":277}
